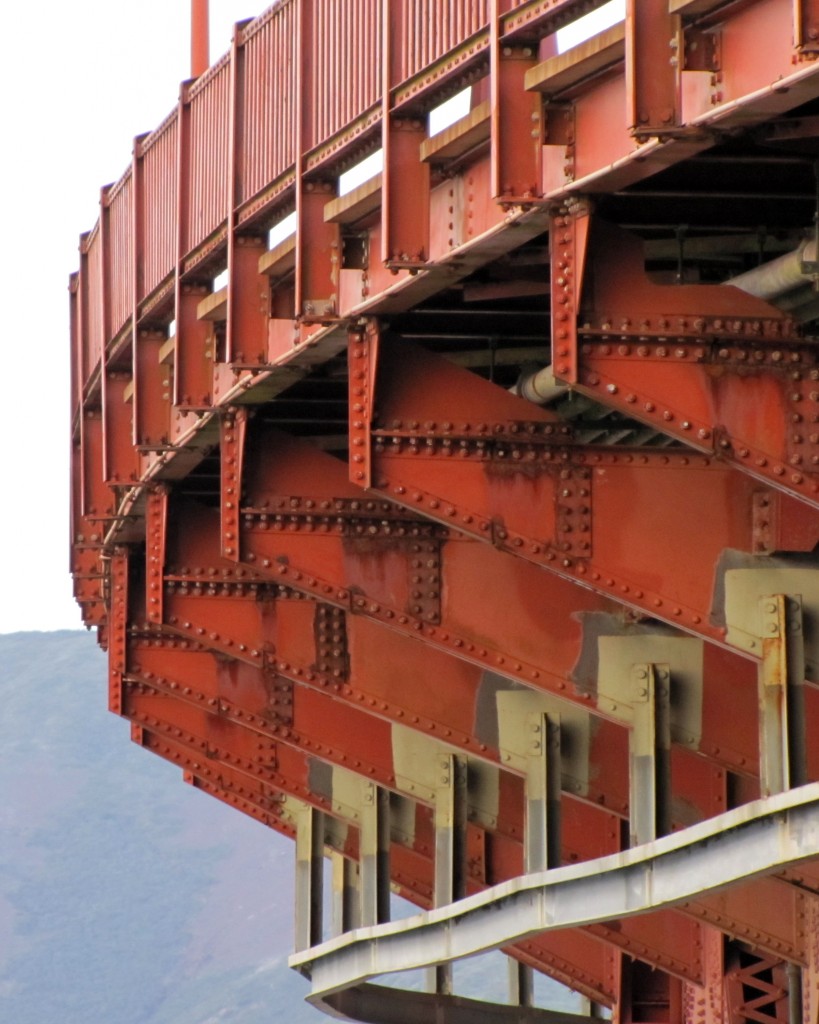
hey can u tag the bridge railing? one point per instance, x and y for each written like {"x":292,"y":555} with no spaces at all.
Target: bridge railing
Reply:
{"x":207,"y":155}
{"x":91,"y":303}
{"x":117,"y":207}
{"x":232,"y":150}
{"x":269,"y":104}
{"x":157,"y":158}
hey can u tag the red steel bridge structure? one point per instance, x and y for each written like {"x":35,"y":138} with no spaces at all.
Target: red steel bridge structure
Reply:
{"x":466,"y":533}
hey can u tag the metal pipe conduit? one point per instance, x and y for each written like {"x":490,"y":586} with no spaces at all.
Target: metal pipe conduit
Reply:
{"x":770,"y":281}
{"x":200,"y":38}
{"x":777,"y":277}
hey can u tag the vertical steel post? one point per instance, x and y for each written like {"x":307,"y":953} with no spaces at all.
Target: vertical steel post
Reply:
{"x":309,"y":877}
{"x":542,"y":850}
{"x":405,"y":180}
{"x":232,"y":434}
{"x":117,"y":628}
{"x":568,"y":243}
{"x":83,"y":504}
{"x":346,"y":894}
{"x":450,"y":847}
{"x":105,"y":314}
{"x":362,"y":357}
{"x":809,"y":975}
{"x":195,"y":351}
{"x":156,"y":529}
{"x":794,"y":972}
{"x":521,"y":983}
{"x":137,"y":262}
{"x":781,"y":701}
{"x":318,"y":242}
{"x":235,"y":128}
{"x":650,"y":754}
{"x":450,"y":830}
{"x":375,"y":855}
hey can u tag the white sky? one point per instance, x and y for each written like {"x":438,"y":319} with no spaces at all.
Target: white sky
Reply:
{"x":79,"y":81}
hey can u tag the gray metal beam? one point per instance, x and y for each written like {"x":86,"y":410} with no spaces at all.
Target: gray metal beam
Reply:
{"x":542,"y":831}
{"x":521,"y":983}
{"x":756,"y":839}
{"x":650,"y":754}
{"x":543,"y":778}
{"x":450,"y":830}
{"x":375,"y":854}
{"x":450,"y":848}
{"x":346,"y":894}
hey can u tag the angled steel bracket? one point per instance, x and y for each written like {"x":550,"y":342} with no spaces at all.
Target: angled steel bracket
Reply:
{"x":309,"y":877}
{"x":744,"y":589}
{"x":617,"y":694}
{"x":415,"y":762}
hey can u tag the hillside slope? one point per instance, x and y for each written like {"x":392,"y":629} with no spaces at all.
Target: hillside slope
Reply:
{"x":126,"y":897}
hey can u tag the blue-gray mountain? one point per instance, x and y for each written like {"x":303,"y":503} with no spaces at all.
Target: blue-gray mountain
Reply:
{"x":126,"y":897}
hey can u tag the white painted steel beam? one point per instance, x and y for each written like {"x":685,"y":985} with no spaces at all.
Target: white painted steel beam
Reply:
{"x":756,"y":839}
{"x":309,"y":876}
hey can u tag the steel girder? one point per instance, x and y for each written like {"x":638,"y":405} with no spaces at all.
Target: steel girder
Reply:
{"x":488,"y":652}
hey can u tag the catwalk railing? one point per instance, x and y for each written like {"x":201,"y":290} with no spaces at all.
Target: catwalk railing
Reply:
{"x":263,"y":126}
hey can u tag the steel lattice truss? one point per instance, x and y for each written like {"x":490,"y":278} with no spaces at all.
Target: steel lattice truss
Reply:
{"x":466,"y":533}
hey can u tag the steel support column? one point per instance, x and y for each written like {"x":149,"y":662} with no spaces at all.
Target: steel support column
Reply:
{"x":309,"y":877}
{"x":374,"y":843}
{"x":781,"y":699}
{"x":450,"y":847}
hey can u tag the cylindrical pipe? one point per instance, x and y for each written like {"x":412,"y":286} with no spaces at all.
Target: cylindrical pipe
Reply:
{"x":538,"y":386}
{"x":200,"y":38}
{"x":777,"y":277}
